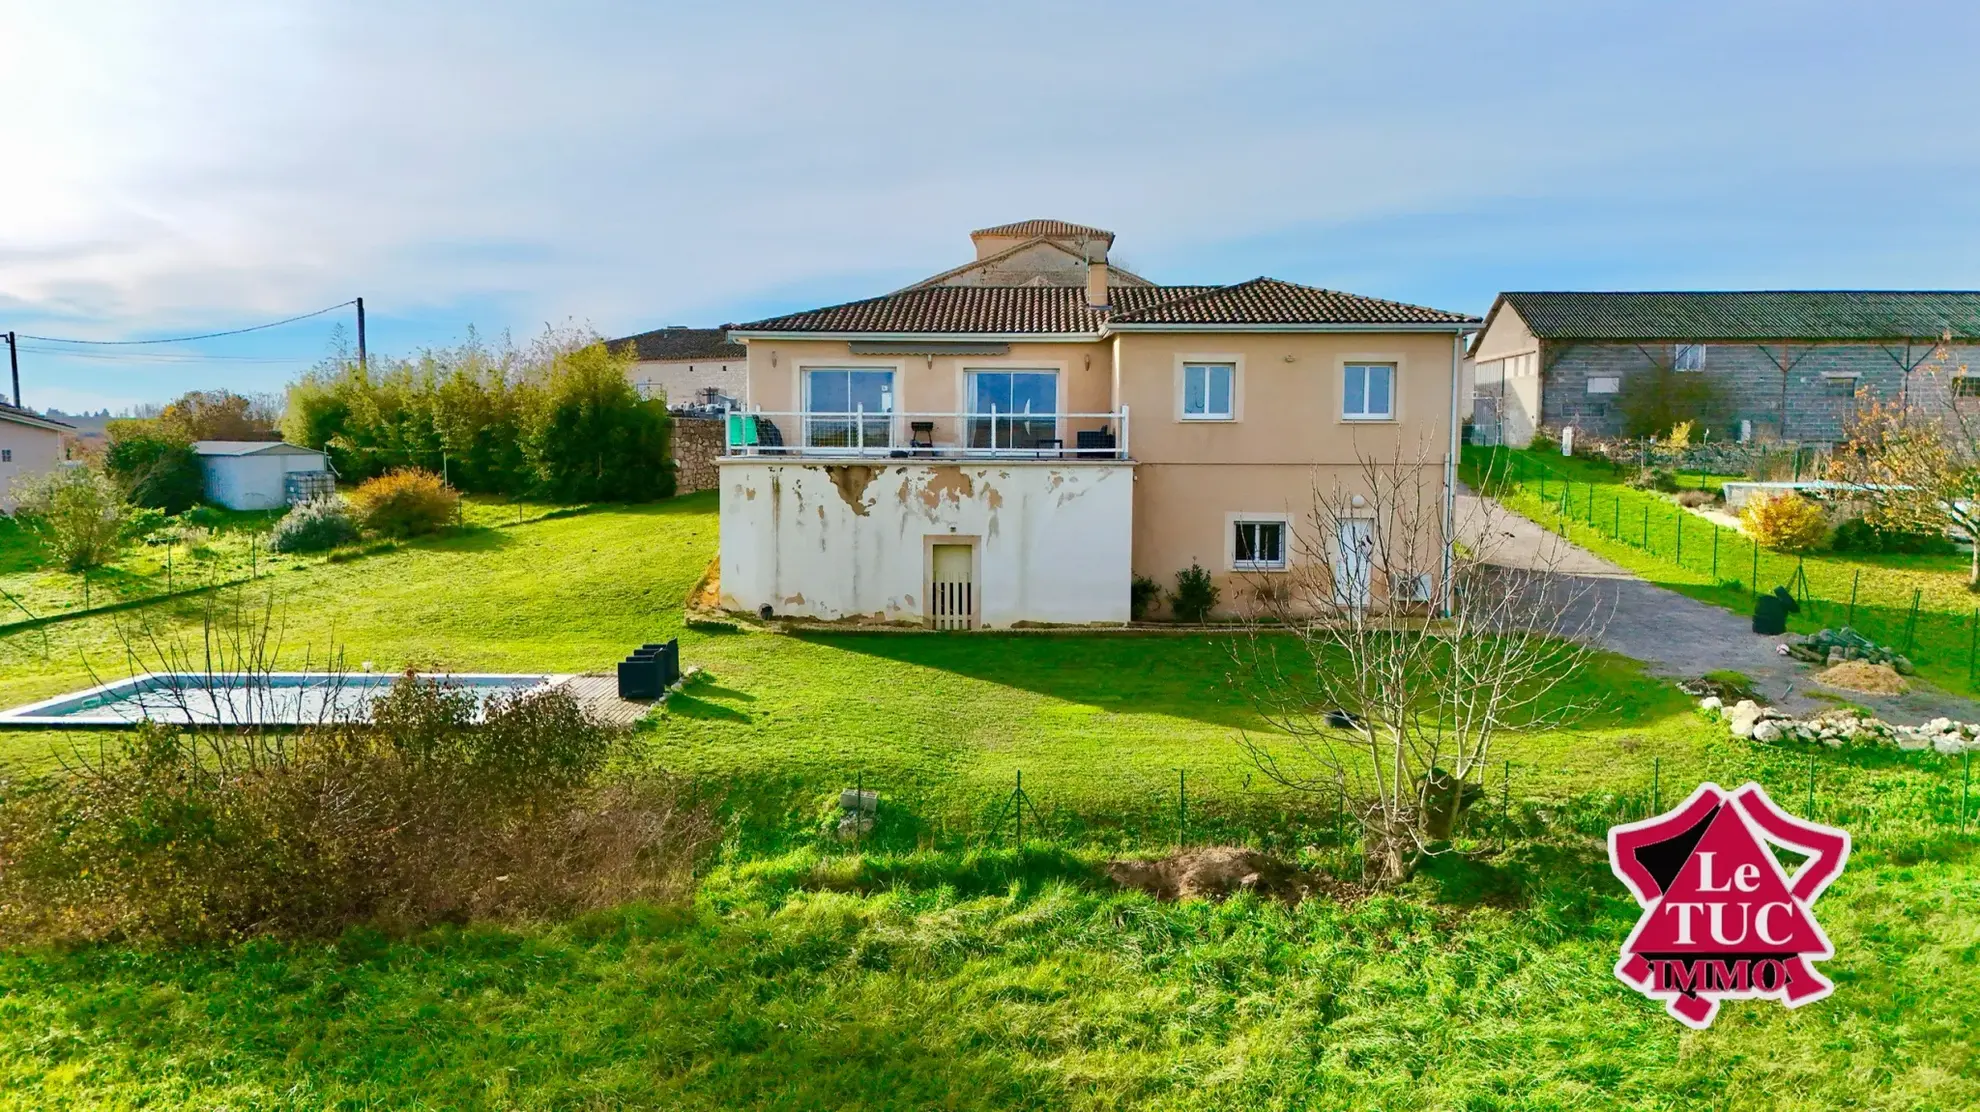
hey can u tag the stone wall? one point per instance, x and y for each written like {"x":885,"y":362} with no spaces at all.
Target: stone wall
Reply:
{"x":697,"y":445}
{"x":1816,"y":410}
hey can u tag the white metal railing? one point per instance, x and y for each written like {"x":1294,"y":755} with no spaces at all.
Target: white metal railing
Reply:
{"x":953,"y":435}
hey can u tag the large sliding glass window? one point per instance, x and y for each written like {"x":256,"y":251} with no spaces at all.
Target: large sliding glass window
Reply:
{"x":835,"y":400}
{"x":1025,"y":405}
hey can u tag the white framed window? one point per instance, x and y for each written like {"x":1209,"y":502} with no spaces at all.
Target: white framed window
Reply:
{"x":848,"y":407}
{"x":1689,"y":357}
{"x":1209,"y":391}
{"x":1368,"y":391}
{"x":1025,"y":404}
{"x":1258,"y":544}
{"x":1839,"y":386}
{"x":1604,"y":384}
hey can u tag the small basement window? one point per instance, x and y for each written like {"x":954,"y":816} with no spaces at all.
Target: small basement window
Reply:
{"x":1604,"y":384}
{"x":1689,"y":357}
{"x":1839,"y":386}
{"x":1966,"y":386}
{"x":1259,"y":545}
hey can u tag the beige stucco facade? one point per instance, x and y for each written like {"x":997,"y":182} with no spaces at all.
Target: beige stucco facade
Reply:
{"x":1286,"y":442}
{"x":25,"y":449}
{"x":1507,"y":360}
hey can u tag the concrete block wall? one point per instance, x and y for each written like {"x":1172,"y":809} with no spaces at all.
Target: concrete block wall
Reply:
{"x":1750,"y":380}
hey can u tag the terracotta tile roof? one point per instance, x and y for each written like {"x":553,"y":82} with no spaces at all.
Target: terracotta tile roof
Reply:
{"x":1271,"y":301}
{"x":681,"y":344}
{"x":1057,"y":229}
{"x":1058,"y":310}
{"x":973,"y":310}
{"x":1115,"y":275}
{"x":1750,"y":315}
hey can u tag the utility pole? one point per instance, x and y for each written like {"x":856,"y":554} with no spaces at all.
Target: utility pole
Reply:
{"x":361,"y":360}
{"x":14,"y":361}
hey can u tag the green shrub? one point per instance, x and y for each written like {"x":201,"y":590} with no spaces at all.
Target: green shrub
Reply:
{"x":1143,"y":594}
{"x":75,"y":512}
{"x":153,"y":466}
{"x":1195,"y":595}
{"x":1785,"y":522}
{"x":1859,"y":535}
{"x":405,"y":503}
{"x":313,"y":526}
{"x":593,"y":438}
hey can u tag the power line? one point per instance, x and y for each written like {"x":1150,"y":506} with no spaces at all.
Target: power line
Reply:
{"x":156,"y":357}
{"x":203,"y":336}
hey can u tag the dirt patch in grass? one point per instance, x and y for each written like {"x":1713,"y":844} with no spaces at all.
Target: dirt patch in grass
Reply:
{"x":1857,"y":675}
{"x":1217,"y":872}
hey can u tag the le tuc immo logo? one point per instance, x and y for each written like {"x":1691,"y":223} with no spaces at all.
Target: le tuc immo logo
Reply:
{"x":1722,"y":919}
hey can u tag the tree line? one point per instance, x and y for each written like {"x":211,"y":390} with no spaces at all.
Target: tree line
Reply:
{"x":557,"y":419}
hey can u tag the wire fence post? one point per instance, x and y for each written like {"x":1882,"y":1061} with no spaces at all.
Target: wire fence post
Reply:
{"x":1680,"y":525}
{"x":168,"y":567}
{"x":1911,"y":623}
{"x":1656,"y":785}
{"x":1715,"y":555}
{"x":1182,"y":806}
{"x":1972,"y":645}
{"x":1646,"y":529}
{"x":1756,"y":568}
{"x":1965,"y":783}
{"x":1810,"y":812}
{"x":1855,"y":581}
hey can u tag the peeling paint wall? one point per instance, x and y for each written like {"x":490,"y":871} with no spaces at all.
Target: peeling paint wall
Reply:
{"x":850,"y":540}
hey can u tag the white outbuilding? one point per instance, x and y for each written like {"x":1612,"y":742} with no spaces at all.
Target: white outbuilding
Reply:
{"x":262,"y":474}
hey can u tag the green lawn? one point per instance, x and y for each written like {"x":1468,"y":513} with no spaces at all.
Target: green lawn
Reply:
{"x":1640,"y":530}
{"x":940,"y":968}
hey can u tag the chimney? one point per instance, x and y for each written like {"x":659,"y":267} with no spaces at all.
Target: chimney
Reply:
{"x":1096,"y":285}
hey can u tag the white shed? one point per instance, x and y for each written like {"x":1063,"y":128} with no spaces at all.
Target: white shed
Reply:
{"x":261,"y":474}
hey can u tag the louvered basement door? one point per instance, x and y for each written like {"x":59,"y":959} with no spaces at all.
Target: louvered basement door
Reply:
{"x":952,"y":601}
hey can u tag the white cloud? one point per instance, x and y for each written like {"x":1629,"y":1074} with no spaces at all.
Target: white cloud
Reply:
{"x":179,"y":164}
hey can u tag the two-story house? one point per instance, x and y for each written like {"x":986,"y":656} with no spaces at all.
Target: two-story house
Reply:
{"x":1790,"y":365}
{"x":1015,"y":439}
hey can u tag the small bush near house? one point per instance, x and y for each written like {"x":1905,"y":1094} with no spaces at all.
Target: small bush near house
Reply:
{"x":1143,"y":595}
{"x":405,"y":503}
{"x":1195,"y":595}
{"x":1785,"y":523}
{"x":75,"y":512}
{"x":313,"y":526}
{"x":1657,"y":479}
{"x":1858,"y":535}
{"x":1692,"y":499}
{"x":426,"y":818}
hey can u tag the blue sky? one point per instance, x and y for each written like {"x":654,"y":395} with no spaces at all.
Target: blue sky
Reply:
{"x":177,"y":168}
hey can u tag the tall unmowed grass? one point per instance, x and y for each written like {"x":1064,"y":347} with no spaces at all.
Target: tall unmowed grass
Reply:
{"x":424,"y":817}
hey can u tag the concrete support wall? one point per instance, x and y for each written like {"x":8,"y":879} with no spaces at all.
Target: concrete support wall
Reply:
{"x":697,"y":445}
{"x":828,"y":540}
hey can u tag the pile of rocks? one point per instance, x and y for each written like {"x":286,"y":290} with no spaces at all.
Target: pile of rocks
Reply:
{"x":1839,"y":727}
{"x":1834,"y":646}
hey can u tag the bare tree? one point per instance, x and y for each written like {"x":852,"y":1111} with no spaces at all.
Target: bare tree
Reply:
{"x":1390,"y":658}
{"x":1914,"y":463}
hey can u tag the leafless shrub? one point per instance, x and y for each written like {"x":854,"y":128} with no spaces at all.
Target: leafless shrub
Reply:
{"x":1394,"y":656}
{"x":427,"y":817}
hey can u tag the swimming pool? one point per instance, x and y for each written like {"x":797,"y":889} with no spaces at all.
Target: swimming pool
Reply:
{"x":261,"y":699}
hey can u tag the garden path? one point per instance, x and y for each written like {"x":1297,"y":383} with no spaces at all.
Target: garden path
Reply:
{"x":1673,"y":634}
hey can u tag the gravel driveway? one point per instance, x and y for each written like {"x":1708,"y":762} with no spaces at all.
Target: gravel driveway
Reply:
{"x":1674,"y":635}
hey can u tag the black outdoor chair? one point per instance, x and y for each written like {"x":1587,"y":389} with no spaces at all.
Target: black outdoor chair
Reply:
{"x":921,"y":434}
{"x":768,"y":435}
{"x":1093,"y":442}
